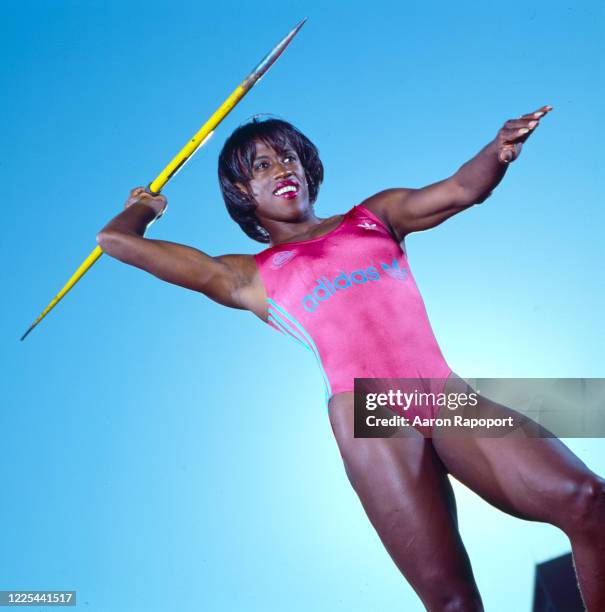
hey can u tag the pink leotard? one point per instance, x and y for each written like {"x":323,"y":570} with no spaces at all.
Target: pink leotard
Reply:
{"x":349,"y":297}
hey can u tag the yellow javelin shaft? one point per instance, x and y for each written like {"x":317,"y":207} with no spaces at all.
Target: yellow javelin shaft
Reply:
{"x":186,"y":152}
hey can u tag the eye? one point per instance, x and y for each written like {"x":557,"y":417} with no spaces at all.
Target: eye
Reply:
{"x":291,"y":157}
{"x":263,"y":165}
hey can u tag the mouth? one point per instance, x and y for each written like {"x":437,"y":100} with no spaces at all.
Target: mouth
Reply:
{"x":286,"y":189}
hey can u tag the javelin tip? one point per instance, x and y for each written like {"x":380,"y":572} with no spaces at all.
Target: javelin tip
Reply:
{"x":295,"y":29}
{"x":270,"y":58}
{"x":300,"y":25}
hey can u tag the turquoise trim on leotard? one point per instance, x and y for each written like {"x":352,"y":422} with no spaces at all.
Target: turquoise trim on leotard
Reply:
{"x":299,"y":334}
{"x":288,"y":332}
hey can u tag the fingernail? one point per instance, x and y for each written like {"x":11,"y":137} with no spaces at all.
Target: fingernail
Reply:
{"x":532,"y":124}
{"x":523,"y":131}
{"x":538,"y":114}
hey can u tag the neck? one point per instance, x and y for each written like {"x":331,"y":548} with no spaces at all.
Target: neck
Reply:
{"x":287,"y":231}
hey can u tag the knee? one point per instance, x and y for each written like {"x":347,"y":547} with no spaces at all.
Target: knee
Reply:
{"x":587,"y":508}
{"x":464,"y":600}
{"x":443,"y":593}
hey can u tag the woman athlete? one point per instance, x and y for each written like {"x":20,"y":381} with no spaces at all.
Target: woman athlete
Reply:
{"x":321,"y":282}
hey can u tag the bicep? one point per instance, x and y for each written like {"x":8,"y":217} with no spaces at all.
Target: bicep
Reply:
{"x":411,"y":210}
{"x":215,"y":277}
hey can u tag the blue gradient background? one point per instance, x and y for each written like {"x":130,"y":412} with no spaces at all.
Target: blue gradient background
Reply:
{"x":160,"y":452}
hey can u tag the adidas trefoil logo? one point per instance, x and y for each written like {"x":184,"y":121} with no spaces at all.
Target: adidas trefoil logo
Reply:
{"x":367,"y":225}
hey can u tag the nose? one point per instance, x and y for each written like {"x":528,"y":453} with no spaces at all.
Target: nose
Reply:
{"x":281,"y":171}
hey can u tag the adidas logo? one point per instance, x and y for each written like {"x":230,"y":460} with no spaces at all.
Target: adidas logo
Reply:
{"x":282,"y":258}
{"x":367,"y":225}
{"x":324,"y":288}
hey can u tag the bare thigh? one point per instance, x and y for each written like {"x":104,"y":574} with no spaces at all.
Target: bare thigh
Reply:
{"x":405,"y":490}
{"x":532,"y":478}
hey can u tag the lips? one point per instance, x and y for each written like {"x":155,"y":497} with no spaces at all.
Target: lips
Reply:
{"x":286,"y":193}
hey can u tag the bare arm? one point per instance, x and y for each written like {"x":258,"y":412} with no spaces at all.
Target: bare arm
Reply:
{"x":226,"y":279}
{"x":412,"y":210}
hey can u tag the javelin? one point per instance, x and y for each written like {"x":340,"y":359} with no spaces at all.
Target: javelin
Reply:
{"x":186,"y":152}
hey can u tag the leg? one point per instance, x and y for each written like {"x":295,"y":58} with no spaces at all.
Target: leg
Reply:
{"x":408,"y":497}
{"x":537,"y":479}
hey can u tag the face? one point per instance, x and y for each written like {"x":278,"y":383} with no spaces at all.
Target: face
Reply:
{"x":278,"y":184}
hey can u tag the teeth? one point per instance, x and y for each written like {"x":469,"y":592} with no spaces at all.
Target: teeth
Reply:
{"x":285,"y":190}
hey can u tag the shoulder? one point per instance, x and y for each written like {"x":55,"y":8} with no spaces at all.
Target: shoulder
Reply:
{"x":385,"y":204}
{"x":382,"y":202}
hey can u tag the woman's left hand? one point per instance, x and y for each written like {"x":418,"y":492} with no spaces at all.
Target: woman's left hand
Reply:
{"x":515,"y":132}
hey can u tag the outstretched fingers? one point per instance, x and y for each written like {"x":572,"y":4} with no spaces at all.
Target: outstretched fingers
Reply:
{"x":515,"y":132}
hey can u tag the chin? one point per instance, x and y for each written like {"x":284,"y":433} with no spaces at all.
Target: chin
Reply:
{"x":296,"y":203}
{"x":300,"y":206}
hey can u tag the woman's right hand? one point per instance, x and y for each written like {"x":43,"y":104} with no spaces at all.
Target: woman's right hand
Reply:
{"x":139,"y":195}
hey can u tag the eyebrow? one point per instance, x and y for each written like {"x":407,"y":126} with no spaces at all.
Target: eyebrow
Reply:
{"x":285,"y":152}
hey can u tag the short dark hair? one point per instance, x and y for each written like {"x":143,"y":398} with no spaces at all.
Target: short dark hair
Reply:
{"x":235,"y":166}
